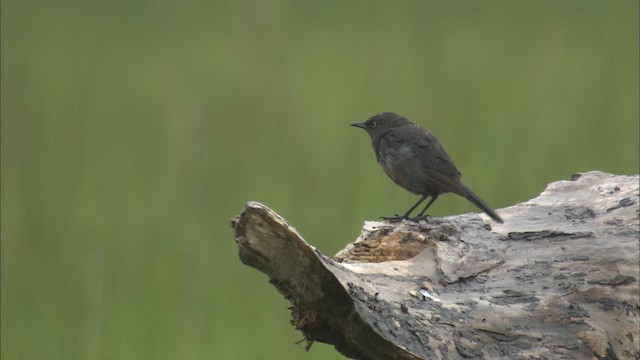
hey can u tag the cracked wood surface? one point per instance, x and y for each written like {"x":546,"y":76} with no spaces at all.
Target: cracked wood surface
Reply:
{"x":559,"y":279}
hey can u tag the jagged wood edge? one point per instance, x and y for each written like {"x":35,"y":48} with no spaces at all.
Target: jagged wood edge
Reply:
{"x":322,"y":308}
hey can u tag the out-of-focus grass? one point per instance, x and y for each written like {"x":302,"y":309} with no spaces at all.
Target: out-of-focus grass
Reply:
{"x":133,"y":131}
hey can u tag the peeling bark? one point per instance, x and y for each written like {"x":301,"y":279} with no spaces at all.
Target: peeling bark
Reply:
{"x":559,"y":279}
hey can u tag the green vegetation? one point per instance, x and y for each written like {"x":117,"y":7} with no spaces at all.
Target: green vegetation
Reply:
{"x":133,"y":131}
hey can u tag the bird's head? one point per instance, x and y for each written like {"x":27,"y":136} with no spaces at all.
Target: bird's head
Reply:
{"x":379,"y":123}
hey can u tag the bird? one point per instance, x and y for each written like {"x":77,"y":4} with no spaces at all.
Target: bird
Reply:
{"x":415,"y":160}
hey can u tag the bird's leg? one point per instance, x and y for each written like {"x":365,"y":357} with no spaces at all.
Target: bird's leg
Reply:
{"x":406,"y":215}
{"x":421,"y":214}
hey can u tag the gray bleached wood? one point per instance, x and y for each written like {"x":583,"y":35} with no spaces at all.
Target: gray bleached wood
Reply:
{"x":559,"y":279}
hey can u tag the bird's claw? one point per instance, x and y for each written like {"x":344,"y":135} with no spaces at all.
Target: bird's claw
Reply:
{"x":421,"y":217}
{"x":393,"y":219}
{"x":398,"y":218}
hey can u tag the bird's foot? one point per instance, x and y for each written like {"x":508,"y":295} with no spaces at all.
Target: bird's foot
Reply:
{"x":421,"y":217}
{"x":398,"y":218}
{"x":393,"y":219}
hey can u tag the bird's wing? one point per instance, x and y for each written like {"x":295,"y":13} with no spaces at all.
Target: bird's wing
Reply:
{"x":429,"y":149}
{"x":433,"y":159}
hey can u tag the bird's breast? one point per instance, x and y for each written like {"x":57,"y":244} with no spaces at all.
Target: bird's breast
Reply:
{"x":400,"y":165}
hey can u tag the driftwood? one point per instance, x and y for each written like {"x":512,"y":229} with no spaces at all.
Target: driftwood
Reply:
{"x":559,"y":279}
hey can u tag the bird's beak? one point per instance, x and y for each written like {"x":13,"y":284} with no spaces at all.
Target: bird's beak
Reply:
{"x":359,"y":124}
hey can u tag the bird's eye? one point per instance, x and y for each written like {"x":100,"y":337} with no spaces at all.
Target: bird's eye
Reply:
{"x":373,"y":124}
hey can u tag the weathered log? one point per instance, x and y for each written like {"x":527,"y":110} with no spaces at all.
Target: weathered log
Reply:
{"x":559,"y":279}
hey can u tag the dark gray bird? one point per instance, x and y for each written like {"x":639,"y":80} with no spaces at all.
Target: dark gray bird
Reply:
{"x":414,"y":159}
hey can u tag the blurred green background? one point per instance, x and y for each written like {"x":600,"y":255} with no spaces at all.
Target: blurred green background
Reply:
{"x":132,"y":131}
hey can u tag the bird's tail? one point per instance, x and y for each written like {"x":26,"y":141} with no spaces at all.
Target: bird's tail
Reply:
{"x":471,"y":196}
